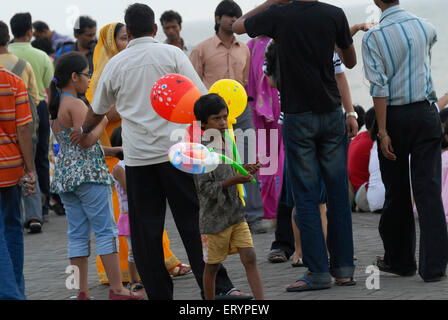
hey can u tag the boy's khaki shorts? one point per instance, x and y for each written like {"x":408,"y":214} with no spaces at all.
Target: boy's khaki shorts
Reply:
{"x":217,"y":247}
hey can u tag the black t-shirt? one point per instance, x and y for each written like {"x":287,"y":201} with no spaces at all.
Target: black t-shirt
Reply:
{"x":305,"y":34}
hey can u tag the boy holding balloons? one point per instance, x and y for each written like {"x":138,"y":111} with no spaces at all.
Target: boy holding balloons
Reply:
{"x":222,"y":215}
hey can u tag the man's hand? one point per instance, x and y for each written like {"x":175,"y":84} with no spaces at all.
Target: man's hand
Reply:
{"x":28,"y":182}
{"x":280,"y":1}
{"x":76,"y":137}
{"x":352,"y":127}
{"x":387,"y":148}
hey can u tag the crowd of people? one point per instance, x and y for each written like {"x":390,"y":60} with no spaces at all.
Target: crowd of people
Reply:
{"x":78,"y":136}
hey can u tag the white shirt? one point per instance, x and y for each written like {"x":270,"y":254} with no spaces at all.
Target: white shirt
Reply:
{"x":376,"y":192}
{"x":126,"y":82}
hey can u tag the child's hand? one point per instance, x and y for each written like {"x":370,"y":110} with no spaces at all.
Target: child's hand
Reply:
{"x":252,"y":168}
{"x":240,"y":179}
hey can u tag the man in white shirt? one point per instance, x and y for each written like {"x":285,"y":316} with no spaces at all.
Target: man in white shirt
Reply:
{"x":151,"y":180}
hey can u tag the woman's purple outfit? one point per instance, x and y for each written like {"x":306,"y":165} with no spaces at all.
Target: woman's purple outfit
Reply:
{"x":266,"y":113}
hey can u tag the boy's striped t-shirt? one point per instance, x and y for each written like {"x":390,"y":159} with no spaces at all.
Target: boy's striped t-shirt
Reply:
{"x":14,"y":112}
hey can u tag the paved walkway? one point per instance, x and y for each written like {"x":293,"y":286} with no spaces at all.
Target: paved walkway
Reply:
{"x":46,"y":263}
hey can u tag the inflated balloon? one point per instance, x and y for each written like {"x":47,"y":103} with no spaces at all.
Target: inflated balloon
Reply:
{"x":173,"y":98}
{"x":234,"y":94}
{"x":193,"y":158}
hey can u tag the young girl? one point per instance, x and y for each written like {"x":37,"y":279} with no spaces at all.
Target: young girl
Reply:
{"x":82,"y":179}
{"x":173,"y":265}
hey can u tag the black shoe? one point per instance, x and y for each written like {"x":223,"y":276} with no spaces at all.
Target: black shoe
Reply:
{"x":435,"y":279}
{"x":35,"y":227}
{"x":386,"y":268}
{"x":58,"y":209}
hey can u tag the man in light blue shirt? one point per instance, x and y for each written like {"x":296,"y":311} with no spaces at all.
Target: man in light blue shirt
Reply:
{"x":397,"y":62}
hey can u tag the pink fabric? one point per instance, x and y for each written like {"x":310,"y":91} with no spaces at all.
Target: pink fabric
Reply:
{"x":445,"y":182}
{"x":266,"y":113}
{"x":123,"y":220}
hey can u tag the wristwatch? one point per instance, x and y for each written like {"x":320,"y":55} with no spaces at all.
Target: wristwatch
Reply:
{"x":352,"y":114}
{"x":84,"y":133}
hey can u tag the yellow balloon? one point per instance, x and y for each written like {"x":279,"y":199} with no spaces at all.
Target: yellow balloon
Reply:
{"x":234,"y":94}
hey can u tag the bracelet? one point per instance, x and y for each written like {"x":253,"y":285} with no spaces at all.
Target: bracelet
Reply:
{"x":352,"y":114}
{"x":101,"y":126}
{"x":382,"y":136}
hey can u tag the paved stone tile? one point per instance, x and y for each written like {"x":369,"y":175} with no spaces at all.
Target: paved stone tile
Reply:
{"x":46,"y":262}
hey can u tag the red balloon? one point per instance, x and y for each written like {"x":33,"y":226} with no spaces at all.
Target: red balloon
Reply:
{"x":173,"y":98}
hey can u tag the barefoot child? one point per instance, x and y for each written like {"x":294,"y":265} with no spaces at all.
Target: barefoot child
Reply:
{"x":222,"y":216}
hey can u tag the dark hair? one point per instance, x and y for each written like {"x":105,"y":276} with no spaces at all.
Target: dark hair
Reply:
{"x":444,"y":115}
{"x":389,"y":1}
{"x":117,"y":29}
{"x":139,"y":20}
{"x":361,"y":115}
{"x":43,"y":44}
{"x":40,"y":26}
{"x":82,"y":24}
{"x":21,"y":23}
{"x":117,"y":141}
{"x":229,"y":8}
{"x":169,"y":16}
{"x":4,"y":34}
{"x":371,"y":123}
{"x":207,"y":106}
{"x":65,"y":66}
{"x":272,"y":64}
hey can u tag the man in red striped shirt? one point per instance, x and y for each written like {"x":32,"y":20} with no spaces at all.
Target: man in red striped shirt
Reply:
{"x":16,"y":166}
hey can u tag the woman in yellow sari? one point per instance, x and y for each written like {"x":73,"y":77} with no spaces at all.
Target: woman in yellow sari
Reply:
{"x":112,"y":40}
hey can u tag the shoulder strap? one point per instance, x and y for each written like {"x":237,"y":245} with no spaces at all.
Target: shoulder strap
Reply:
{"x":19,"y":67}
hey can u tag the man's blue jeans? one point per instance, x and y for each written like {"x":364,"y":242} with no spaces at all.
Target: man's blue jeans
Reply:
{"x":12,"y":281}
{"x":316,"y":142}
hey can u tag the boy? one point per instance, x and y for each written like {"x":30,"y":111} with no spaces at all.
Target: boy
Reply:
{"x":222,"y":217}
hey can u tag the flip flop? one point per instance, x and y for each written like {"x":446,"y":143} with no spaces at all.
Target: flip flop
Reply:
{"x":348,"y":283}
{"x":310,"y":286}
{"x":229,"y":296}
{"x":298,"y":264}
{"x":180,"y":271}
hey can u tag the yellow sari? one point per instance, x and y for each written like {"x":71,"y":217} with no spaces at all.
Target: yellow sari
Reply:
{"x":105,"y":50}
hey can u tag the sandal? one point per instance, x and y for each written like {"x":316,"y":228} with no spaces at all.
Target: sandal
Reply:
{"x":309,"y":286}
{"x":298,"y":264}
{"x":348,"y":283}
{"x":277,"y":256}
{"x":138,"y":285}
{"x":230,"y":296}
{"x":180,"y":270}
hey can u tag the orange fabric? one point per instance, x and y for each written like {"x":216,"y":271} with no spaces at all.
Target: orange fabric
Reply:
{"x":14,"y":112}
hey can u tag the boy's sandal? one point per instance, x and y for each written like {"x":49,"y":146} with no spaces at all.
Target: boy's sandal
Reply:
{"x":180,"y":270}
{"x":135,"y":286}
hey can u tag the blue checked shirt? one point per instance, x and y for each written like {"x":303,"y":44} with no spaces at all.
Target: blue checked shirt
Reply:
{"x":397,"y":58}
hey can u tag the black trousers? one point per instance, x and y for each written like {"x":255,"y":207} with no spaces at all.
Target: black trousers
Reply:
{"x":284,"y":234}
{"x":148,"y":188}
{"x":415,"y":130}
{"x":41,"y":161}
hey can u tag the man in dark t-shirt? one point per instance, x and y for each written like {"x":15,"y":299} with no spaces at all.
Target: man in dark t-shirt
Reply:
{"x":315,"y":128}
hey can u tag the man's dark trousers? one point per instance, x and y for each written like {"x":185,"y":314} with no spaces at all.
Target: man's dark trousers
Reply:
{"x":415,"y":130}
{"x":148,"y":189}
